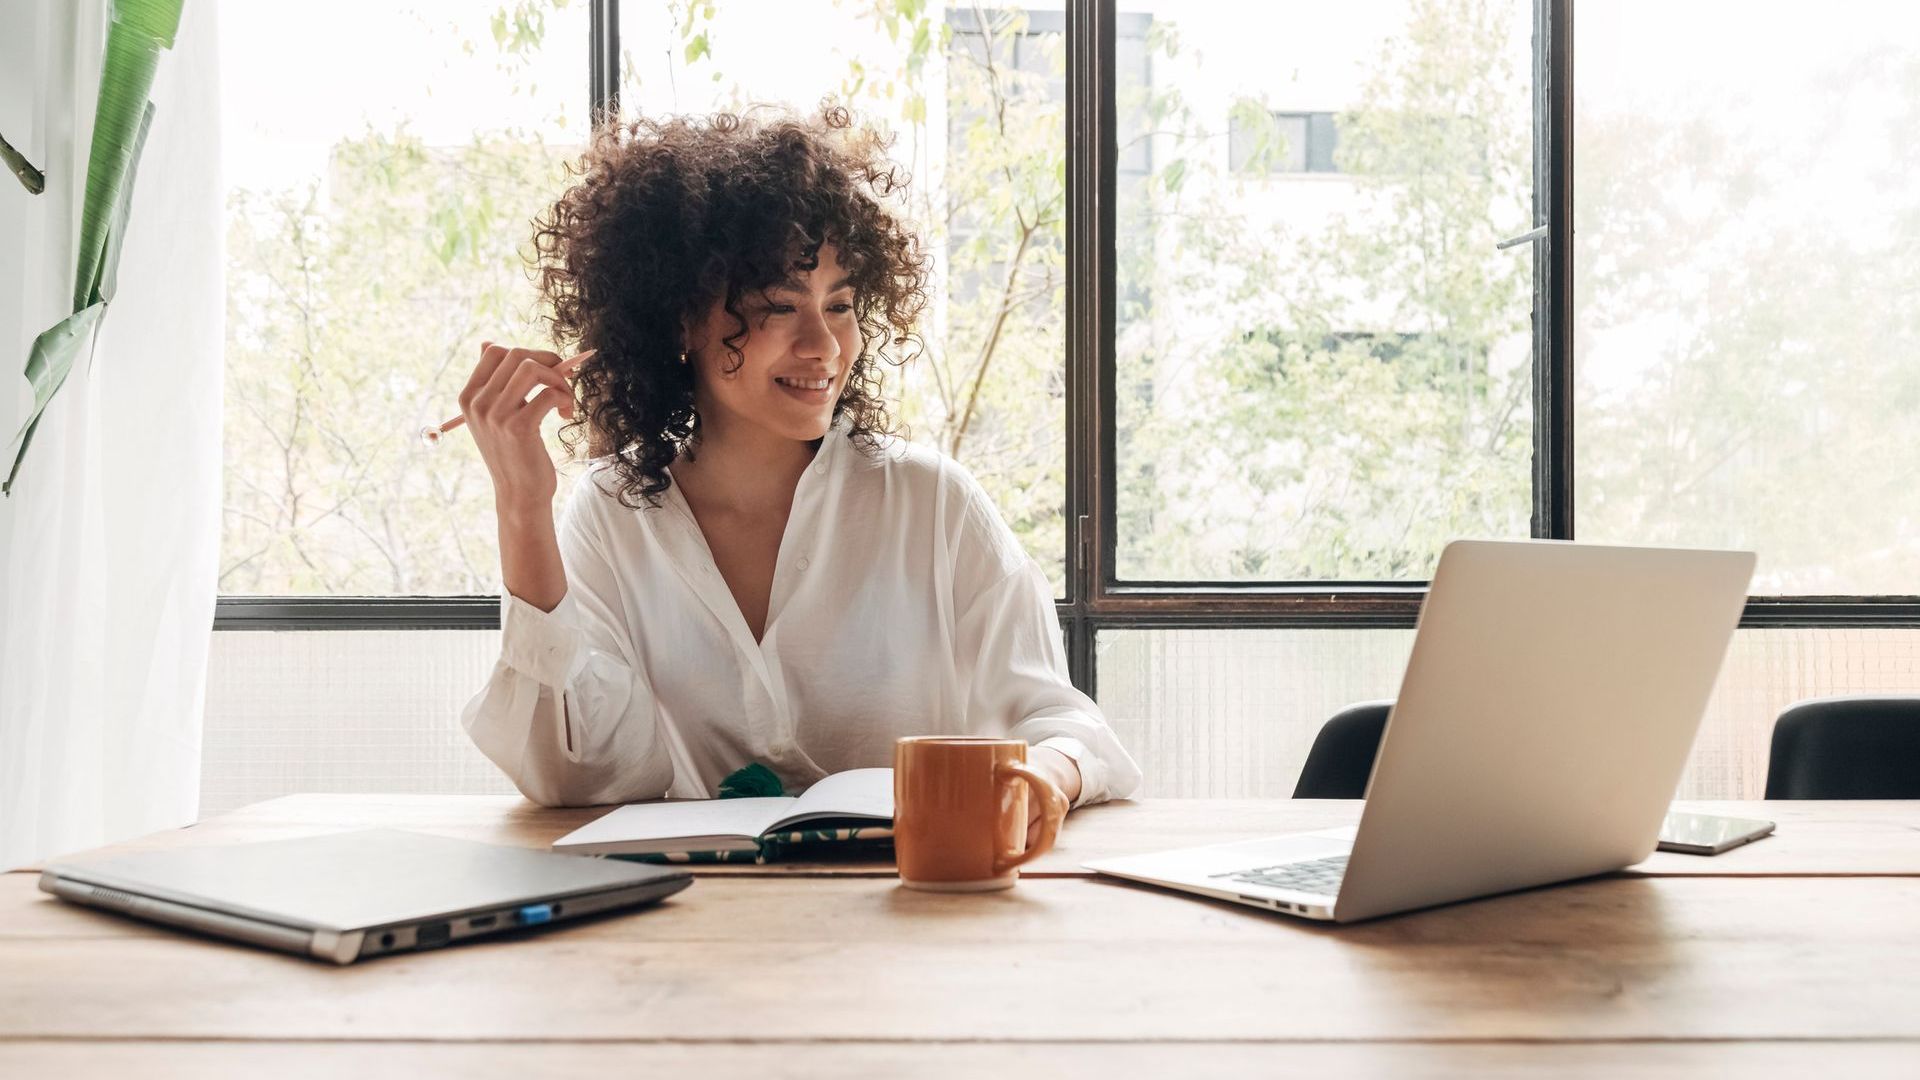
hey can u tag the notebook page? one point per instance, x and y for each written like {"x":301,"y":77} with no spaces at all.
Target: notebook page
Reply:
{"x":856,"y":793}
{"x":681,"y":825}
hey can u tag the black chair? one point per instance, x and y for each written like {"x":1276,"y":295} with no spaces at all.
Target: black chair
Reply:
{"x":1342,"y":756}
{"x":1860,"y":747}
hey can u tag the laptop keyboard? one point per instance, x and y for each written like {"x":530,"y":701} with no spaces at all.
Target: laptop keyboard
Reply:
{"x":1320,"y":876}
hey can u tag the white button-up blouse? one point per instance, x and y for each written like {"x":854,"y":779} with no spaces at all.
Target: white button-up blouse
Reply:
{"x":901,"y":605}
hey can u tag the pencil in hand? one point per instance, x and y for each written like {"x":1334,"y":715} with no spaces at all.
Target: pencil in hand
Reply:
{"x":432,"y":434}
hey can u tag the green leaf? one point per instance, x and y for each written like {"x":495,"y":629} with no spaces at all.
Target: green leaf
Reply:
{"x":698,"y":47}
{"x":140,"y":31}
{"x":117,"y":231}
{"x":48,"y":365}
{"x":1174,"y":174}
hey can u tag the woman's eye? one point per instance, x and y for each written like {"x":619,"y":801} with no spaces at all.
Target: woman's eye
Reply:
{"x":842,"y":308}
{"x":780,"y":309}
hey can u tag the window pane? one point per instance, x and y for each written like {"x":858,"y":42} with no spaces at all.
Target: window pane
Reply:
{"x":980,"y":124}
{"x":1747,"y":260}
{"x":380,"y":220}
{"x":1232,"y":713}
{"x":1324,"y":366}
{"x":383,"y":161}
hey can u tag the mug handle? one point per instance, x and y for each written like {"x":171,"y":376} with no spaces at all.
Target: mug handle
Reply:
{"x":1050,"y":817}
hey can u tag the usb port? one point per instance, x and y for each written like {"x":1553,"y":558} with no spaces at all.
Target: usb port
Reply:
{"x":480,"y":921}
{"x":534,"y":914}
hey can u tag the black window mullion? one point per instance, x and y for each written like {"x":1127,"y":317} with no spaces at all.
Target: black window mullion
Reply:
{"x":1553,"y":269}
{"x":1090,"y":277}
{"x":603,"y":60}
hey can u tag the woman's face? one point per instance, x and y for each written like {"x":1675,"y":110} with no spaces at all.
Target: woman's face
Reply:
{"x":801,"y":339}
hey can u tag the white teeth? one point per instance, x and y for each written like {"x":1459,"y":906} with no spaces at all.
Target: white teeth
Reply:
{"x":804,"y":384}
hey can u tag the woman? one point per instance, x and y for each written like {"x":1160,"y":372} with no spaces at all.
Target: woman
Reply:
{"x":751,"y":569}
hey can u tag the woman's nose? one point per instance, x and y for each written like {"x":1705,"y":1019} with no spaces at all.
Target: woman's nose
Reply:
{"x":817,"y":338}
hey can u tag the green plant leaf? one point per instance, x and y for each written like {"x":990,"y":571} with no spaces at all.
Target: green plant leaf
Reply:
{"x":140,"y":31}
{"x":31,"y":178}
{"x":117,"y":230}
{"x":48,"y":365}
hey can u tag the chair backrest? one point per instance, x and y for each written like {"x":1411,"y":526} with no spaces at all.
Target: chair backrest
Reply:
{"x":1856,"y":747}
{"x":1341,"y":759}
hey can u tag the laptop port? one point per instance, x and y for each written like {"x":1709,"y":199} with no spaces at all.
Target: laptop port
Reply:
{"x":431,"y":934}
{"x":482,"y":921}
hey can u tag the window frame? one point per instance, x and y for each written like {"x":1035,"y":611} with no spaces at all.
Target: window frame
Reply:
{"x":1096,"y":599}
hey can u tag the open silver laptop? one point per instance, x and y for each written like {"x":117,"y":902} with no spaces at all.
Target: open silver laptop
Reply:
{"x":1547,"y":709}
{"x":352,"y":895}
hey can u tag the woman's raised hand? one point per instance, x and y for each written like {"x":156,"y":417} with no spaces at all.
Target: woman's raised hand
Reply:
{"x":505,"y":420}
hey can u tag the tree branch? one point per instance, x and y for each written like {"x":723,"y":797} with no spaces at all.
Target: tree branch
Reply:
{"x":993,"y":339}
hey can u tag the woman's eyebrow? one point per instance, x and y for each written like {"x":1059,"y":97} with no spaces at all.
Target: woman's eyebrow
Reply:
{"x":795,"y":286}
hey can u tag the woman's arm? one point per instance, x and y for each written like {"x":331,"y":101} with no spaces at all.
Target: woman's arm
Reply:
{"x":566,"y":713}
{"x":1019,"y":674}
{"x":1007,"y":645}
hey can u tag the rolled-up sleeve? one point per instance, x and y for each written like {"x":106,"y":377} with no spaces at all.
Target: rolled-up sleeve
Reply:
{"x":567,"y":712}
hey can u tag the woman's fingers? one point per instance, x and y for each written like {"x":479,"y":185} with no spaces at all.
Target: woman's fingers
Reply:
{"x":531,"y":373}
{"x":500,"y":364}
{"x":487,"y":388}
{"x":490,"y":357}
{"x":537,"y":407}
{"x":510,"y":366}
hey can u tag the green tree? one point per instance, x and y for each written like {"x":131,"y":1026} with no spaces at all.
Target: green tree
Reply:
{"x":355,"y":305}
{"x":1777,"y":392}
{"x":1333,"y":404}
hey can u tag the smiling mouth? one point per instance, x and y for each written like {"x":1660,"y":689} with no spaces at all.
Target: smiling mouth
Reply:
{"x":811,"y":391}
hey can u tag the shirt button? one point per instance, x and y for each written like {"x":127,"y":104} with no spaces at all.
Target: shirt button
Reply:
{"x":802,"y":564}
{"x":819,"y":466}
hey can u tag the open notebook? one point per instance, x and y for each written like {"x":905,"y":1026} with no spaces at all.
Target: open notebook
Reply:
{"x":856,"y":805}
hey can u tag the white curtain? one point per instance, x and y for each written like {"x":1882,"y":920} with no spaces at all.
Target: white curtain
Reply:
{"x":109,"y":542}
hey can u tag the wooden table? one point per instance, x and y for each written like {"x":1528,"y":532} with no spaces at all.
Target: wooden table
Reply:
{"x":1795,"y":954}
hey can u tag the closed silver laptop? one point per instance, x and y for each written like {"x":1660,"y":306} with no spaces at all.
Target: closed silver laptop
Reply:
{"x":352,"y":895}
{"x":1552,"y":695}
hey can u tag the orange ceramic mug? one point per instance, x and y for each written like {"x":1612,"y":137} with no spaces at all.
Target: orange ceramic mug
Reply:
{"x":960,"y":812}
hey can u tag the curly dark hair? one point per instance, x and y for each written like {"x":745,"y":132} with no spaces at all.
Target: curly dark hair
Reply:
{"x":669,"y":216}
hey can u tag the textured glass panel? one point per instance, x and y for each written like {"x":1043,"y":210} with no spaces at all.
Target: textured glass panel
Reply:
{"x":1232,"y":713}
{"x":343,"y":711}
{"x":1208,"y":713}
{"x":1747,"y":266}
{"x":1259,"y":437}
